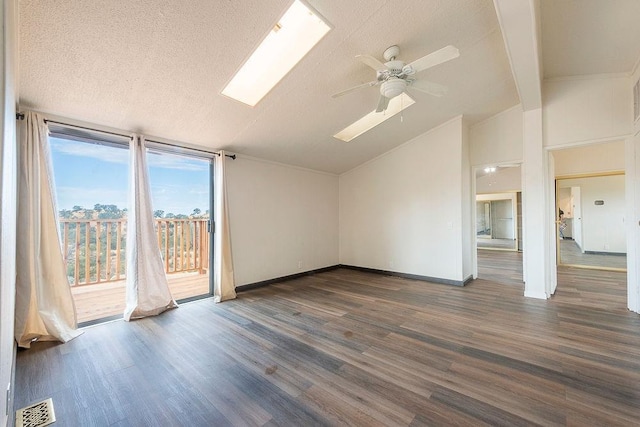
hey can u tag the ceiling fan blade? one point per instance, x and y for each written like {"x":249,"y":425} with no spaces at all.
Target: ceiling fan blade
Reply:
{"x":438,"y":57}
{"x":353,"y":89}
{"x":382,"y":104}
{"x":431,"y":88}
{"x":371,"y":62}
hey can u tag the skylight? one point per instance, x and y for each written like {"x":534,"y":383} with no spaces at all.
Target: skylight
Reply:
{"x":373,"y":119}
{"x":295,"y":34}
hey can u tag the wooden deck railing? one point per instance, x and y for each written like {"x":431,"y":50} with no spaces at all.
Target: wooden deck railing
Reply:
{"x":94,"y":250}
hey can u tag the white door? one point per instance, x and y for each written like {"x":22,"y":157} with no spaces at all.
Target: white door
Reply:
{"x":577,"y":216}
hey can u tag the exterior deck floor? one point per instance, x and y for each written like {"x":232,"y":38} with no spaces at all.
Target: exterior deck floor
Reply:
{"x":108,"y":299}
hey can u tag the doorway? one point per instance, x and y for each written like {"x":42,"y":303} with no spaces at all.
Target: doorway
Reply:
{"x":498,"y":222}
{"x":590,"y":208}
{"x":591,"y":229}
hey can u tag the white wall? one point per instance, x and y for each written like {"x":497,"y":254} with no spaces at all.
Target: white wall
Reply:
{"x":8,"y":198}
{"x":497,"y":139}
{"x":586,"y":109}
{"x":537,"y":210}
{"x":284,"y":220}
{"x":632,"y":169}
{"x":603,"y":227}
{"x":595,"y":158}
{"x":502,"y":180}
{"x":402,"y":211}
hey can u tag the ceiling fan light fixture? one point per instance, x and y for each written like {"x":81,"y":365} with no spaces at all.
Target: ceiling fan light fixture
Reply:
{"x":393,"y":87}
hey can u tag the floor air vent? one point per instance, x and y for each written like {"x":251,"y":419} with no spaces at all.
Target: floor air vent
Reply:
{"x":37,"y":415}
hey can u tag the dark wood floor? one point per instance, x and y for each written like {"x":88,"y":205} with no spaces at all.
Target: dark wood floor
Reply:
{"x":500,"y":266}
{"x":347,"y":347}
{"x":570,"y":254}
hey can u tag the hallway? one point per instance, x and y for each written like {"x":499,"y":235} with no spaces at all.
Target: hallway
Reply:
{"x":606,"y":290}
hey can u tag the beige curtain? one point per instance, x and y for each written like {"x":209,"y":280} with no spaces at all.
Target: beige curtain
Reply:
{"x":147,"y":288}
{"x":224,"y":287}
{"x":44,"y":304}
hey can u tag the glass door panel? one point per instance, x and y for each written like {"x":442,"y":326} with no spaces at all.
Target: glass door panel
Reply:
{"x":91,"y":182}
{"x":180,"y":191}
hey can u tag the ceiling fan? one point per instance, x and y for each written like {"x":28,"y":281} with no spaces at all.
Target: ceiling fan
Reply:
{"x":394,"y":76}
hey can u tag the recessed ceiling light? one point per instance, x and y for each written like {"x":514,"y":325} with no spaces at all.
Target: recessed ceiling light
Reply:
{"x":293,"y":36}
{"x":373,"y":119}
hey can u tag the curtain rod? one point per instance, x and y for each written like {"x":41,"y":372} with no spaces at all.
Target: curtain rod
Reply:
{"x":86,"y":128}
{"x":232,"y":156}
{"x":20,"y":116}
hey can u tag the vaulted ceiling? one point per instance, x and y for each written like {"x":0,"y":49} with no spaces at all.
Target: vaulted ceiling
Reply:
{"x":585,"y":37}
{"x":158,"y":67}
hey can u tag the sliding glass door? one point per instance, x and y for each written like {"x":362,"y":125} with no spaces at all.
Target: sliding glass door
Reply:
{"x":91,"y":173}
{"x":181,"y":195}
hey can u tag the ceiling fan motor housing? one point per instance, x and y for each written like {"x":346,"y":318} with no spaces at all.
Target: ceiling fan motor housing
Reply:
{"x":395,"y":66}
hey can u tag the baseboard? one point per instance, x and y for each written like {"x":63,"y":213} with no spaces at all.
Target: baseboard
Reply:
{"x":605,"y":253}
{"x":284,"y":278}
{"x":430,"y":279}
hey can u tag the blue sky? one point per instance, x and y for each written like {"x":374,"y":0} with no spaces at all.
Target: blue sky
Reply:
{"x":88,"y":174}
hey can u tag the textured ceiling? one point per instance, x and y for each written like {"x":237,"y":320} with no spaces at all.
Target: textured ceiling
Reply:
{"x":582,"y":37}
{"x":158,"y":66}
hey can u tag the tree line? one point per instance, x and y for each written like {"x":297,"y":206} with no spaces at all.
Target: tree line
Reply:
{"x":100,"y":211}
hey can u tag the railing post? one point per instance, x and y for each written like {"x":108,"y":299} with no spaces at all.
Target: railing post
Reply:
{"x":118,"y":248}
{"x":98,"y":253}
{"x":65,"y":254}
{"x":201,"y":232}
{"x":108,"y":252}
{"x":76,"y":270}
{"x":87,"y":252}
{"x":174,"y":257}
{"x":166,"y":246}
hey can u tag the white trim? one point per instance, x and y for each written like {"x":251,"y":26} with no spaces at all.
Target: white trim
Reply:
{"x":586,"y":142}
{"x":507,"y":163}
{"x":507,"y":49}
{"x":503,"y":195}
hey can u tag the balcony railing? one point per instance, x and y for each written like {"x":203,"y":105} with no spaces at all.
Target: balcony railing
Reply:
{"x":94,"y":250}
